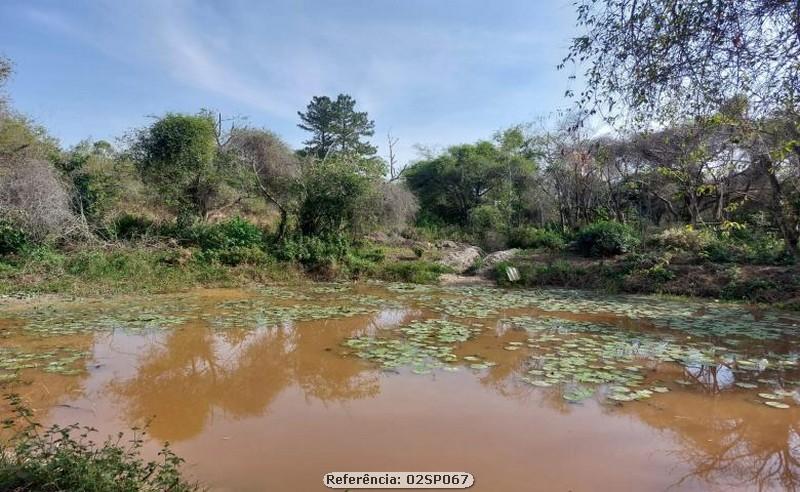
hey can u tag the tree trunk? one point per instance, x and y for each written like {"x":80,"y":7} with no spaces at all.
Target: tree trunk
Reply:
{"x":786,"y":223}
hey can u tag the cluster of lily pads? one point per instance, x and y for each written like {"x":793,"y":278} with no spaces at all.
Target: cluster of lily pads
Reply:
{"x":281,"y":292}
{"x":691,"y":317}
{"x":331,"y":289}
{"x":422,"y":345}
{"x":589,"y":356}
{"x":59,"y":361}
{"x":52,"y":321}
{"x":251,"y":313}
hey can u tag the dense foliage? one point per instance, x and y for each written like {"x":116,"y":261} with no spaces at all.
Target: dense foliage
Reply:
{"x":336,"y":128}
{"x":606,"y":239}
{"x":65,"y":458}
{"x":707,"y":173}
{"x":177,"y":155}
{"x":452,"y":185}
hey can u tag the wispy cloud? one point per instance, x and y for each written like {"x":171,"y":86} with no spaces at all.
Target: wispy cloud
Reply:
{"x":441,"y":72}
{"x":192,"y":60}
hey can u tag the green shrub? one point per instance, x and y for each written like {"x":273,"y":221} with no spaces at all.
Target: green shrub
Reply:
{"x":754,"y":290}
{"x":559,"y":273}
{"x":750,"y":247}
{"x":232,"y":233}
{"x":129,"y":227}
{"x":417,"y":271}
{"x":313,"y":251}
{"x":358,"y":266}
{"x":527,"y":237}
{"x":235,"y":256}
{"x":606,"y":239}
{"x":684,"y":239}
{"x":13,"y":240}
{"x":65,"y":458}
{"x":373,"y":254}
{"x":45,"y":257}
{"x":486,"y":218}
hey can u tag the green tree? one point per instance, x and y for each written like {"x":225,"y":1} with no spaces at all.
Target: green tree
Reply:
{"x":178,"y":156}
{"x":336,"y":127}
{"x":100,"y":179}
{"x":451,"y":185}
{"x":341,"y":195}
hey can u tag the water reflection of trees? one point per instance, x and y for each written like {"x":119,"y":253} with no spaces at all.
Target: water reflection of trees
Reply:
{"x":196,"y":371}
{"x":728,"y":440}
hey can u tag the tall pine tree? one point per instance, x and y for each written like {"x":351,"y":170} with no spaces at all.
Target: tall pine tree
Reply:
{"x":336,"y":127}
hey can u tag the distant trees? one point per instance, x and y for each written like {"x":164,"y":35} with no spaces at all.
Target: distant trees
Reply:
{"x":336,"y":127}
{"x":335,"y":187}
{"x":342,"y":184}
{"x":451,"y":185}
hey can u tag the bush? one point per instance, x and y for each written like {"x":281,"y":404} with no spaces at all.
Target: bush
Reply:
{"x":486,"y":218}
{"x":233,"y":233}
{"x":527,"y":237}
{"x":313,"y":252}
{"x":341,"y":195}
{"x":684,"y":239}
{"x":746,"y":246}
{"x":754,"y":290}
{"x":606,"y":239}
{"x":235,"y":256}
{"x":559,"y":273}
{"x":13,"y":240}
{"x":65,"y":458}
{"x":417,"y":271}
{"x":33,"y":196}
{"x":129,"y":227}
{"x":359,"y":265}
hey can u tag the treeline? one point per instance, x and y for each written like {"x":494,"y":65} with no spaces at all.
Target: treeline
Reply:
{"x":724,"y":183}
{"x":712,"y":176}
{"x":199,"y":179}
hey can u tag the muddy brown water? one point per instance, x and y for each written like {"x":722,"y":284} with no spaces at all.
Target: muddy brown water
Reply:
{"x":276,"y":406}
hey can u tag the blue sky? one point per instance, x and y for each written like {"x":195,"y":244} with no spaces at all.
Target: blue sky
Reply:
{"x":434,"y":72}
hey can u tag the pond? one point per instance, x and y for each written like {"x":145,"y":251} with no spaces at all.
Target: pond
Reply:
{"x":270,"y":388}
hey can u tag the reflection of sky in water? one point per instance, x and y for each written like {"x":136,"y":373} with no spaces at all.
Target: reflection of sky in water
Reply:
{"x":717,"y":377}
{"x":387,"y":318}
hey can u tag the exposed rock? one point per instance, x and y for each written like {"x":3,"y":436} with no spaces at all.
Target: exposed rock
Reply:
{"x":452,"y":279}
{"x":379,"y":237}
{"x":489,"y":262}
{"x":462,"y":258}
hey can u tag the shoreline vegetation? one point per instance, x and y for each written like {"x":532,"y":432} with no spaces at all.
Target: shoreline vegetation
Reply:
{"x":671,"y":267}
{"x":675,"y":171}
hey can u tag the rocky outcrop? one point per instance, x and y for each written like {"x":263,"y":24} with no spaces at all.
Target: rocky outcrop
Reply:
{"x":490,"y":261}
{"x":461,"y":257}
{"x":453,"y":279}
